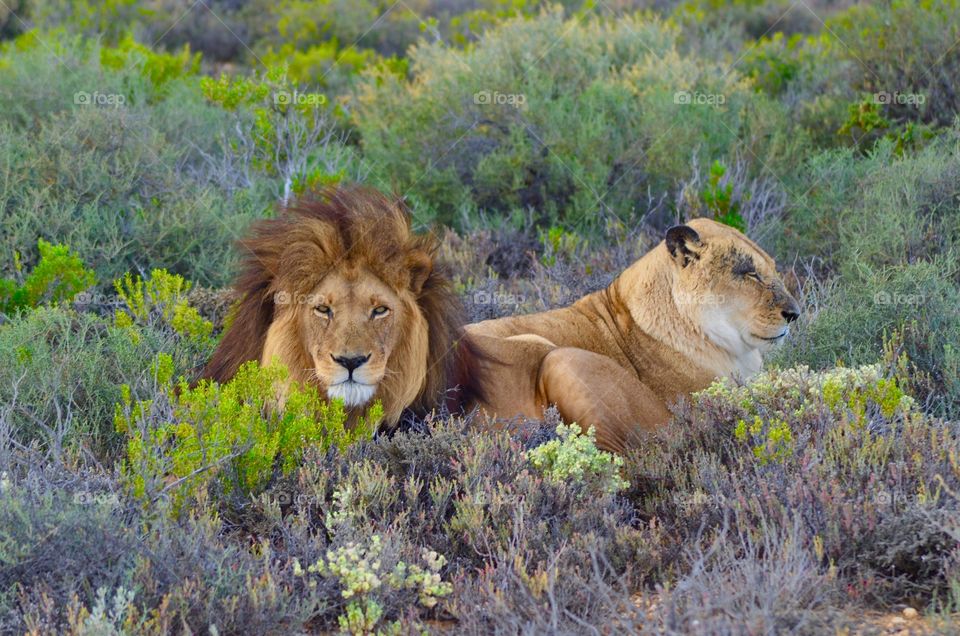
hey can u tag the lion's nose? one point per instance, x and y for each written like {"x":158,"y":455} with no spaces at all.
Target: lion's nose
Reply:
{"x":350,"y":362}
{"x":791,"y":313}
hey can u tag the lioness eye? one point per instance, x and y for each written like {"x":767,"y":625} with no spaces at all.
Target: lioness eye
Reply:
{"x":379,"y":311}
{"x":755,"y":276}
{"x":322,"y":310}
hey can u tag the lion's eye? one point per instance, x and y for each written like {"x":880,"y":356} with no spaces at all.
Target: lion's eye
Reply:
{"x":323,"y":310}
{"x":755,"y":276}
{"x":379,"y":311}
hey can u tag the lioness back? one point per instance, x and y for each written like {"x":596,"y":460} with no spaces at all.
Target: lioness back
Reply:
{"x":705,"y":303}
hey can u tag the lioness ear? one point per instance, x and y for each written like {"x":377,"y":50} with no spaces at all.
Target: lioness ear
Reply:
{"x":421,"y":266}
{"x":684,"y":244}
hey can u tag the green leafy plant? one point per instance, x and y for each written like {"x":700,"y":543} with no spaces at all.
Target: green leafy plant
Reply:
{"x":556,"y":240}
{"x":234,"y":433}
{"x":771,"y":441}
{"x":58,"y":276}
{"x":718,"y":198}
{"x":575,"y":456}
{"x":162,"y":296}
{"x":288,"y":130}
{"x":159,"y":68}
{"x":864,"y":117}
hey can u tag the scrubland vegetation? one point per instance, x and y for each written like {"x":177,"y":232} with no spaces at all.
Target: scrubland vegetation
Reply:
{"x":551,"y":145}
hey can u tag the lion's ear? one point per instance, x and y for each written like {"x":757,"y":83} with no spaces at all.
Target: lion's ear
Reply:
{"x":684,"y":244}
{"x":421,"y":266}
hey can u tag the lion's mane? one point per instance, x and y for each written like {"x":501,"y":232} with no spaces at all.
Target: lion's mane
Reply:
{"x":351,"y":226}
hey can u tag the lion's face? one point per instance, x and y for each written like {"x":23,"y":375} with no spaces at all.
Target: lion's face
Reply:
{"x":349,"y":327}
{"x":729,"y":286}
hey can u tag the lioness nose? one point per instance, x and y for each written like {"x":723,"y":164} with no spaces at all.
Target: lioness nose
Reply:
{"x":790,"y":314}
{"x":350,"y":362}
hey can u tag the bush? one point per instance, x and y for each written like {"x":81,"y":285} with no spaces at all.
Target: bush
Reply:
{"x":161,"y":300}
{"x":861,"y":470}
{"x":876,"y":70}
{"x":58,"y":276}
{"x":60,"y":373}
{"x":126,"y":159}
{"x":61,"y":367}
{"x":566,"y":117}
{"x":77,"y":561}
{"x":574,"y":456}
{"x":283,"y":132}
{"x":232,"y":434}
{"x":887,"y":226}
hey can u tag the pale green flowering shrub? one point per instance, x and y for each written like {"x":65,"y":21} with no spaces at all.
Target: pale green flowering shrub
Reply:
{"x":853,"y":395}
{"x":575,"y":456}
{"x":866,"y":399}
{"x":857,"y":389}
{"x":362,"y":572}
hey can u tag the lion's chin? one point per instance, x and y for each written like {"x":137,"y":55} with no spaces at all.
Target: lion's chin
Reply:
{"x":352,"y":393}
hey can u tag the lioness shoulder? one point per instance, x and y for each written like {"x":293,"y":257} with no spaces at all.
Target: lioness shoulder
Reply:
{"x":705,"y":303}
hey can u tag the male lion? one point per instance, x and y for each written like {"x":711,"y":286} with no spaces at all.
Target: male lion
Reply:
{"x":340,"y":290}
{"x":701,"y":305}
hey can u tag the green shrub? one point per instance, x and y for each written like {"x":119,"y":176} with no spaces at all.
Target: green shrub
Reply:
{"x":718,"y":199}
{"x":287,"y":133}
{"x":562,"y":116}
{"x":875,"y":69}
{"x":901,"y":48}
{"x":61,"y":371}
{"x":360,"y":572}
{"x":887,"y":226}
{"x":110,"y":20}
{"x":574,"y":456}
{"x":162,"y":297}
{"x":158,"y":68}
{"x":147,"y":180}
{"x":57,"y":277}
{"x":233,"y":433}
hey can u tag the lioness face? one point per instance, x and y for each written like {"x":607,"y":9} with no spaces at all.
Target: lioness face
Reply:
{"x":730,"y":287}
{"x":350,"y":326}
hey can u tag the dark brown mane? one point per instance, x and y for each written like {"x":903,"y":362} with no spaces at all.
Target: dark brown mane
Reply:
{"x":349,"y":224}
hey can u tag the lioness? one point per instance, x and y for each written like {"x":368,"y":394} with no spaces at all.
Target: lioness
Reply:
{"x":703,"y":304}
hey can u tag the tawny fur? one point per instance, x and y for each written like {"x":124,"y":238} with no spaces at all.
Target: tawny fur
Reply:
{"x":338,"y":238}
{"x":672,"y":323}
